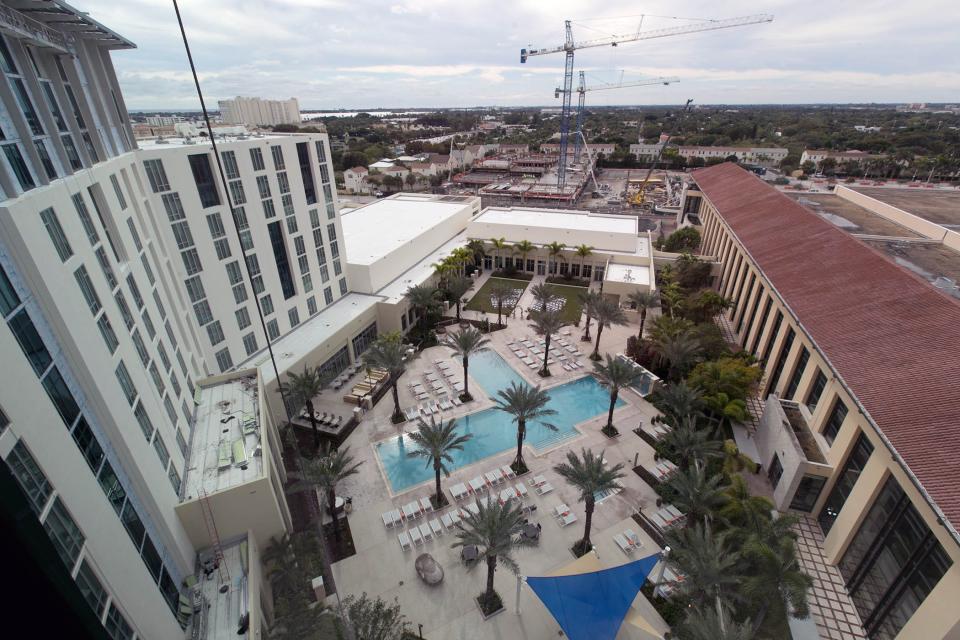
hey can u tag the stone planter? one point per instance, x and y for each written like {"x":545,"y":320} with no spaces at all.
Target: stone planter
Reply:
{"x":486,"y":616}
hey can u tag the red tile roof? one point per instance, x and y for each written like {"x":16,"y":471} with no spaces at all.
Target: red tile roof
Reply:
{"x":891,"y":336}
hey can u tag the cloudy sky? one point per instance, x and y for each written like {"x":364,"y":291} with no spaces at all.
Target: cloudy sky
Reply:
{"x":458,"y":53}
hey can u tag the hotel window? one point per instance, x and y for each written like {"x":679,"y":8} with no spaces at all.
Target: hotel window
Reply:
{"x":277,"y":153}
{"x":294,"y":316}
{"x":746,"y":298}
{"x":57,"y":236}
{"x":224,"y":361}
{"x":31,"y":479}
{"x":243,"y":318}
{"x":157,"y":176}
{"x":781,"y":360}
{"x":763,"y":322}
{"x":109,"y":335}
{"x":203,"y":313}
{"x":278,"y":243}
{"x":195,"y":289}
{"x":772,"y":338}
{"x":26,"y":334}
{"x":118,"y":191}
{"x":807,"y":493}
{"x":45,"y":160}
{"x":328,"y":295}
{"x":230,"y":165}
{"x":173,"y":206}
{"x":892,"y":563}
{"x":250,"y":343}
{"x":813,"y":397}
{"x":133,"y":234}
{"x":846,"y":479}
{"x":215,"y":333}
{"x":837,"y":415}
{"x":135,"y":291}
{"x":146,"y":426}
{"x":64,"y":532}
{"x":273,"y":330}
{"x":222,"y":247}
{"x":266,"y":304}
{"x":124,"y":310}
{"x":364,"y":339}
{"x":263,"y":186}
{"x":269,"y":211}
{"x":174,"y":478}
{"x":283,"y":182}
{"x":75,"y":162}
{"x":343,"y":286}
{"x":148,"y":323}
{"x":311,"y":305}
{"x":140,"y":346}
{"x":56,"y":388}
{"x":84,"y":214}
{"x":126,"y":384}
{"x":237,"y":195}
{"x":116,"y":625}
{"x":775,"y":471}
{"x":203,"y":177}
{"x":256,"y":157}
{"x":191,"y":261}
{"x":161,"y":450}
{"x":797,"y":373}
{"x":321,"y":151}
{"x":753,"y":314}
{"x":91,"y":589}
{"x":303,"y":155}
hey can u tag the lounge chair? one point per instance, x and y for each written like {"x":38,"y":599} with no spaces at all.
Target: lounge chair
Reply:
{"x":456,"y":401}
{"x":426,"y":409}
{"x":387,"y":517}
{"x":544,"y":489}
{"x":623,"y":543}
{"x":459,"y":491}
{"x":404,"y":540}
{"x":446,"y":520}
{"x":435,"y":527}
{"x":538,"y":480}
{"x":426,"y":532}
{"x":445,"y":403}
{"x":411,"y":413}
{"x":521,"y":490}
{"x":426,"y":505}
{"x":416,"y":536}
{"x":633,"y":538}
{"x":507,"y":471}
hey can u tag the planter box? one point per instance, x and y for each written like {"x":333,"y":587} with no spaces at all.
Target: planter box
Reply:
{"x":488,"y":616}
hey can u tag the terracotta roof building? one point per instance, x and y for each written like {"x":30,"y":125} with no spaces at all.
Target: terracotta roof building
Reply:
{"x":861,"y":426}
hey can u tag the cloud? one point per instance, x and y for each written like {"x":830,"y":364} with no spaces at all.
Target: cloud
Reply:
{"x":367,"y":53}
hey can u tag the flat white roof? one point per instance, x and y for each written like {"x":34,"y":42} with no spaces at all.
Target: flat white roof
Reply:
{"x":556,"y":219}
{"x":199,"y":141}
{"x":312,"y":333}
{"x":377,"y":229}
{"x":219,"y":419}
{"x":627,"y":273}
{"x":420,"y":272}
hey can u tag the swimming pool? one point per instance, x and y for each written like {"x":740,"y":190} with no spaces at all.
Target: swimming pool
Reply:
{"x":493,"y":430}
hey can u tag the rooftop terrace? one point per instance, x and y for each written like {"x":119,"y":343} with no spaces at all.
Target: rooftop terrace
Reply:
{"x":226,"y":594}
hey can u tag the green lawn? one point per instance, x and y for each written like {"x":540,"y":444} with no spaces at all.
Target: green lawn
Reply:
{"x":572,"y":310}
{"x":481,"y":299}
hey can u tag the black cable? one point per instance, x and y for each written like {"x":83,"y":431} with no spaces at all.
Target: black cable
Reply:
{"x":233,"y":213}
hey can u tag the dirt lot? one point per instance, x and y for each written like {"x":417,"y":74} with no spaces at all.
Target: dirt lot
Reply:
{"x":939,"y":206}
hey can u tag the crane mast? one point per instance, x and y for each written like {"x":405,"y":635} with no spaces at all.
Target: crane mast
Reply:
{"x":570,"y":46}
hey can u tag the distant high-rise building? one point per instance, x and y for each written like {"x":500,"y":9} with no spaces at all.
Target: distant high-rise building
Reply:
{"x":257,"y":111}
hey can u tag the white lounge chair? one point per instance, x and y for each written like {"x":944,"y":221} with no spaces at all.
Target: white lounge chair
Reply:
{"x":446,"y":520}
{"x":415,"y":536}
{"x":404,"y":540}
{"x":478,"y":485}
{"x":435,"y":527}
{"x":633,"y":538}
{"x":538,"y":480}
{"x":521,"y":490}
{"x":623,"y":543}
{"x":459,"y":491}
{"x":388,"y":520}
{"x":544,"y":489}
{"x":445,"y":403}
{"x":426,"y":532}
{"x":507,"y":471}
{"x":426,"y":505}
{"x":411,"y":413}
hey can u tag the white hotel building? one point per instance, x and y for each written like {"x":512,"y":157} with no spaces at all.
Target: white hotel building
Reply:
{"x":138,"y":411}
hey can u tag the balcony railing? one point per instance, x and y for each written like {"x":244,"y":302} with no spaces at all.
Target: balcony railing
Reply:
{"x":25,"y":27}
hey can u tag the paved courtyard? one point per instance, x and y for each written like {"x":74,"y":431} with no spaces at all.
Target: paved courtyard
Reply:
{"x":382,"y":568}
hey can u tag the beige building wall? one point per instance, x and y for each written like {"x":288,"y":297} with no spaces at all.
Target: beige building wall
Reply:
{"x":938,"y":616}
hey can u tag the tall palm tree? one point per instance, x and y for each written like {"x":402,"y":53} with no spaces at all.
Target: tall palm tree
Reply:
{"x":744,"y":509}
{"x":776,"y":580}
{"x":442,"y":270}
{"x":491,"y":530}
{"x":589,"y":474}
{"x":615,"y":375}
{"x":524,"y":248}
{"x":499,"y":294}
{"x":589,"y":299}
{"x":677,"y":400}
{"x":524,"y":403}
{"x":708,"y":624}
{"x":690,"y":444}
{"x":542,"y":294}
{"x":707,"y":562}
{"x":301,"y":389}
{"x":477,"y":250}
{"x":387,"y":352}
{"x":456,"y":288}
{"x":499,"y":244}
{"x":461,"y":256}
{"x":324,"y":473}
{"x":608,"y":314}
{"x":435,"y":442}
{"x":583,"y":252}
{"x":546,"y":323}
{"x":696,"y":494}
{"x":465,"y":343}
{"x":555,"y":251}
{"x":679,"y":352}
{"x":645,"y":300}
{"x":424,"y":298}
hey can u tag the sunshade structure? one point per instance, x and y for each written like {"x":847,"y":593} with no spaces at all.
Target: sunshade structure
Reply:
{"x":592,"y":605}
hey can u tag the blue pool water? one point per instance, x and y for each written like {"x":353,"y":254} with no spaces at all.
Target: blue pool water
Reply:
{"x":493,"y":430}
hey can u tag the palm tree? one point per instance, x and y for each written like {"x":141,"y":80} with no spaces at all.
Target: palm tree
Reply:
{"x":457,"y":287}
{"x":499,"y":244}
{"x":424,"y":299}
{"x":555,"y":251}
{"x":677,"y":400}
{"x":589,"y":474}
{"x":707,"y":562}
{"x":744,"y":509}
{"x":301,"y":389}
{"x":477,"y":250}
{"x":645,"y":300}
{"x":388,"y":353}
{"x":442,"y":270}
{"x":524,"y":403}
{"x":608,"y":314}
{"x":491,"y":530}
{"x":465,"y":343}
{"x":615,"y":375}
{"x":679,"y":351}
{"x":690,"y":444}
{"x":500,"y":293}
{"x":583,"y":252}
{"x":775,"y":580}
{"x":324,"y":473}
{"x":546,"y":323}
{"x":542,"y":294}
{"x":589,"y":299}
{"x":707,"y":624}
{"x":435,"y":442}
{"x":696,"y":494}
{"x":461,"y":256}
{"x":523,"y":248}
{"x":671,"y":295}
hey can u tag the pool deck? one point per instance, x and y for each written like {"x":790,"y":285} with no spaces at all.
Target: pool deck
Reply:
{"x":381,"y":568}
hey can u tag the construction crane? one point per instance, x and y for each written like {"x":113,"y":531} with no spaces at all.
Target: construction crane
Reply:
{"x":570,"y":45}
{"x":604,"y":86}
{"x":640,"y":196}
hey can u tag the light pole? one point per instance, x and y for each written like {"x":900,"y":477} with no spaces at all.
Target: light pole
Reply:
{"x":520,"y":580}
{"x":663,"y":567}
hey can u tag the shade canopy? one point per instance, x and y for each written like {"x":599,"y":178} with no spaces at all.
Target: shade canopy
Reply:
{"x":592,"y":606}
